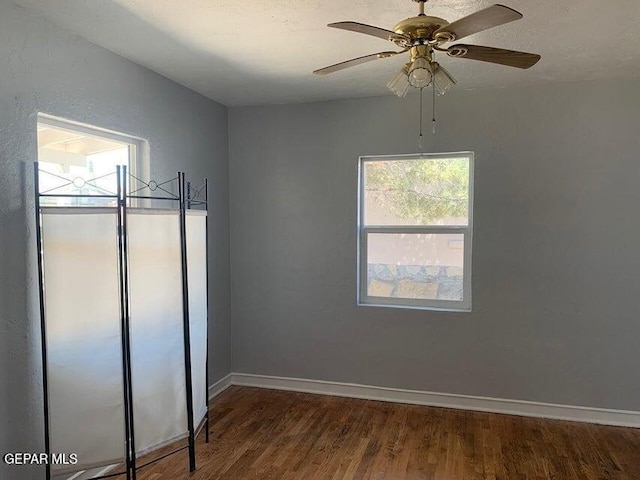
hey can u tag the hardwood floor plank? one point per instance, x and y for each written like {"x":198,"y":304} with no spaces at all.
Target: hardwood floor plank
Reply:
{"x":274,"y":435}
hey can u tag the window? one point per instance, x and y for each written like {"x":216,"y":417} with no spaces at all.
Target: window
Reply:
{"x":78,"y":159}
{"x":415,"y":228}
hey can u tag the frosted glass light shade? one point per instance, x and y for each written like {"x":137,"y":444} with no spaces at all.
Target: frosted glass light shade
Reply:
{"x":442,"y":79}
{"x":399,"y":84}
{"x":420,"y":73}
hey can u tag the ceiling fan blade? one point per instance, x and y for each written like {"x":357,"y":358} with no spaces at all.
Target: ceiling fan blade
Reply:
{"x":477,"y":22}
{"x":511,"y":58}
{"x":369,"y":30}
{"x":355,"y":61}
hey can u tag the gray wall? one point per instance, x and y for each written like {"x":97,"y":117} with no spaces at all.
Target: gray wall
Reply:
{"x":555,"y":267}
{"x":46,"y":69}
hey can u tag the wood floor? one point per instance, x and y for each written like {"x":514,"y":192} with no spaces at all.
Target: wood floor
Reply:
{"x":272,"y":435}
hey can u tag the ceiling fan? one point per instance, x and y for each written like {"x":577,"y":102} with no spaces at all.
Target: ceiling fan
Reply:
{"x":424,"y":35}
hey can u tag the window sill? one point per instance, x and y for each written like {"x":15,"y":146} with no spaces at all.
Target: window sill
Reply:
{"x":417,"y":307}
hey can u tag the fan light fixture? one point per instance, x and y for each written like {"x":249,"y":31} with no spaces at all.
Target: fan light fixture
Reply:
{"x":399,"y":84}
{"x":420,"y":73}
{"x":442,"y":79}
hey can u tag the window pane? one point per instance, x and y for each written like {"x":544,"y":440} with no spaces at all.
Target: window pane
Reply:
{"x":415,"y":266}
{"x":431,"y":191}
{"x":73,"y":162}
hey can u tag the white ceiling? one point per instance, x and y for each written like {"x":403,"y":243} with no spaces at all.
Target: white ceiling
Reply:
{"x":263,"y":51}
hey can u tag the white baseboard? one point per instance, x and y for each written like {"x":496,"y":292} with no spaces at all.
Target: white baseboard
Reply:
{"x":88,"y":474}
{"x":220,"y":386}
{"x":601,"y":416}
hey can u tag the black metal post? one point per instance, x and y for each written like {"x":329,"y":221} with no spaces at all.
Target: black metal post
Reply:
{"x":123,"y":325}
{"x":43,"y":333}
{"x":206,"y":223}
{"x":122,"y":207}
{"x":185,"y":317}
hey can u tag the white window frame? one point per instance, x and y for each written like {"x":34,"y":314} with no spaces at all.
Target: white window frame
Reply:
{"x":138,"y":147}
{"x":364,"y":299}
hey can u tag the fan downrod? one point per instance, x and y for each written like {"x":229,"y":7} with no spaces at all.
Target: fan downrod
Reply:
{"x":421,"y":2}
{"x":420,"y":27}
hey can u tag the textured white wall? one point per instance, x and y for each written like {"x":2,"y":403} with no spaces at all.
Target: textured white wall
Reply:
{"x":555,"y":258}
{"x":49,"y":70}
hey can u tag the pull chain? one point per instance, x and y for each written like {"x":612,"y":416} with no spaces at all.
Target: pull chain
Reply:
{"x":420,"y":137}
{"x":433,"y":120}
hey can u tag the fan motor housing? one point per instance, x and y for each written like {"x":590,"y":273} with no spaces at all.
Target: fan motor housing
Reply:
{"x":420,"y":27}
